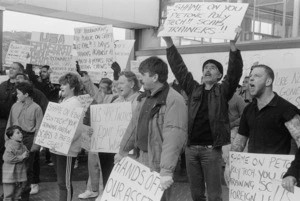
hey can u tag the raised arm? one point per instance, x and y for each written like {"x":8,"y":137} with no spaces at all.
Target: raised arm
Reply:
{"x":178,"y":67}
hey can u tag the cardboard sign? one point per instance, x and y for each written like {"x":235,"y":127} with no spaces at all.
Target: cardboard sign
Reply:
{"x":53,"y":50}
{"x":130,"y":180}
{"x":203,"y":19}
{"x":252,"y":174}
{"x":287,"y":84}
{"x":109,"y":122}
{"x":18,"y":53}
{"x":58,"y":127}
{"x":123,"y":49}
{"x":85,"y":101}
{"x":95,"y":48}
{"x":85,"y":138}
{"x":280,"y":194}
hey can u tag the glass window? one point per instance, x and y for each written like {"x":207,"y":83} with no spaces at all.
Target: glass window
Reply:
{"x":264,"y":19}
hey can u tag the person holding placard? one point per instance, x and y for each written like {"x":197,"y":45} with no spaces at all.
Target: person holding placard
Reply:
{"x":158,"y":128}
{"x":64,"y":163}
{"x":209,"y":127}
{"x":269,"y":122}
{"x":291,"y":177}
{"x":28,"y":115}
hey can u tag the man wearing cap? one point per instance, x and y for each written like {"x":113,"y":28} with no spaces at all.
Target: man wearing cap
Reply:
{"x":208,"y":121}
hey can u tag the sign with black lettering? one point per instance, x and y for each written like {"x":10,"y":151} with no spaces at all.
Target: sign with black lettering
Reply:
{"x":53,"y":50}
{"x":58,"y":127}
{"x":109,"y":122}
{"x":95,"y":49}
{"x":280,"y":194}
{"x":251,"y":175}
{"x":18,"y":53}
{"x":203,"y":19}
{"x":287,"y":84}
{"x":132,"y":181}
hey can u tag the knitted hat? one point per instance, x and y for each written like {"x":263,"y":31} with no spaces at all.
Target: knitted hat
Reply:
{"x":218,"y":64}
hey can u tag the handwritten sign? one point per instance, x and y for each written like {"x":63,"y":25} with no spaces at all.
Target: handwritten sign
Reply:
{"x":109,"y":122}
{"x":85,"y":101}
{"x":53,"y":50}
{"x":18,"y":53}
{"x":123,"y":49}
{"x":95,"y":48}
{"x":252,"y":174}
{"x":287,"y":84}
{"x":85,"y":139}
{"x":58,"y":127}
{"x":131,"y":180}
{"x":280,"y":194}
{"x":205,"y":19}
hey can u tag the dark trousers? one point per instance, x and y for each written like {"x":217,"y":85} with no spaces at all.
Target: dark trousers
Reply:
{"x":12,"y":191}
{"x":64,"y":166}
{"x":28,"y":141}
{"x":36,"y":168}
{"x":107,"y":164}
{"x":204,"y":169}
{"x":47,"y":155}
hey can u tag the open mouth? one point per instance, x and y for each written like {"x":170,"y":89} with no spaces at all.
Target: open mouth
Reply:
{"x":251,"y":86}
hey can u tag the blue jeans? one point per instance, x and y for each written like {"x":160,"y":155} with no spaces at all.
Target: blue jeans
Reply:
{"x":204,"y":166}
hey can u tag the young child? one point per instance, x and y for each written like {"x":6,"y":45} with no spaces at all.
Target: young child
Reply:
{"x":14,"y":167}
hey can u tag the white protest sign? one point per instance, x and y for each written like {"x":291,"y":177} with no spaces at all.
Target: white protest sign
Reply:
{"x":203,"y":19}
{"x":85,"y":139}
{"x":85,"y":101}
{"x":252,"y":174}
{"x":95,"y":48}
{"x":53,"y":50}
{"x":123,"y":49}
{"x":3,"y":78}
{"x":287,"y":84}
{"x":280,"y":194}
{"x":18,"y":53}
{"x":58,"y":127}
{"x":130,"y":180}
{"x":109,"y":122}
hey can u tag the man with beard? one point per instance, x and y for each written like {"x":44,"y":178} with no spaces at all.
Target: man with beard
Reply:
{"x":269,"y":121}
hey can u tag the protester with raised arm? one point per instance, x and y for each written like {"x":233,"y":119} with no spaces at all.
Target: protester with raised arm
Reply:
{"x":208,"y":128}
{"x":157,"y":130}
{"x":269,"y":122}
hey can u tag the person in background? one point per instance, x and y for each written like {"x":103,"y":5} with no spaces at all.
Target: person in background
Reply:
{"x":158,"y":128}
{"x":245,"y":90}
{"x":14,"y":167}
{"x":208,"y":128}
{"x":28,"y":115}
{"x":8,"y":97}
{"x":39,"y":98}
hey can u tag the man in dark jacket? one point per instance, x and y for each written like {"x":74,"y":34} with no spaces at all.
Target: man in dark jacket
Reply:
{"x":208,"y":122}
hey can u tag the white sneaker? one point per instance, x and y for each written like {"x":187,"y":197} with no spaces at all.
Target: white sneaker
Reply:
{"x":88,"y":194}
{"x":99,"y":198}
{"x":34,"y":189}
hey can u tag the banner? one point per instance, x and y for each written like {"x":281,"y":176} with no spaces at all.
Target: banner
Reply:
{"x":58,"y":127}
{"x":18,"y":53}
{"x":109,"y":122}
{"x":203,"y":19}
{"x":95,"y":49}
{"x":252,"y":174}
{"x":85,"y":101}
{"x":123,"y":49}
{"x":130,"y":180}
{"x":53,"y":50}
{"x":280,"y":194}
{"x":287,"y":84}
